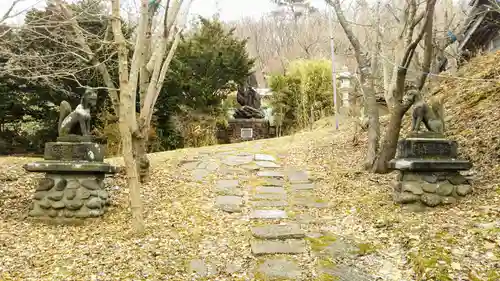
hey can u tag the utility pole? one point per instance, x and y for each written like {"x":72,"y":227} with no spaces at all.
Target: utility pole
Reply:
{"x":334,"y":73}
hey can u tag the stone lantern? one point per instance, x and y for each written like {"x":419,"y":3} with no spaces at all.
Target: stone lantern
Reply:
{"x":345,"y":86}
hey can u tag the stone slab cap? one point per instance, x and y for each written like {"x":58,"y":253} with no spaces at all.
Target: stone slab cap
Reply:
{"x":421,"y":147}
{"x":70,"y":167}
{"x":74,"y":151}
{"x":429,"y":165}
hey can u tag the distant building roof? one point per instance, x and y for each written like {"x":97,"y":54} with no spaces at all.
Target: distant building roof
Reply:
{"x":480,"y":26}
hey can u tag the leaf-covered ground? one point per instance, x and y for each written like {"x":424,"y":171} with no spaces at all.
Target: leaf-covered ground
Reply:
{"x":461,"y":242}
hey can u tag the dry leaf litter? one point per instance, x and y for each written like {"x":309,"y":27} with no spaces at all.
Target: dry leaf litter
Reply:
{"x":461,"y":242}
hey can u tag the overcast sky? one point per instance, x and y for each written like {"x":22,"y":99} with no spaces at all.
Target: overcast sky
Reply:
{"x":228,"y":9}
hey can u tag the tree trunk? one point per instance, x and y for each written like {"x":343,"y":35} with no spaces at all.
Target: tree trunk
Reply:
{"x":371,"y":101}
{"x":140,"y":146}
{"x":131,"y":168}
{"x":127,"y":117}
{"x":390,"y":142}
{"x":367,"y":71}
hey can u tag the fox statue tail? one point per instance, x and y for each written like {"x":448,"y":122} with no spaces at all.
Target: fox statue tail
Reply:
{"x":64,"y":111}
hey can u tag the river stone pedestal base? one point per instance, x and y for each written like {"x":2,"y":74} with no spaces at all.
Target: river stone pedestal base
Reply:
{"x":73,"y":187}
{"x":240,"y":130}
{"x":428,"y":172}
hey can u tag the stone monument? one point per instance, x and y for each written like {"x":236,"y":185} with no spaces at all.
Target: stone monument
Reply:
{"x":73,"y":187}
{"x":248,"y":122}
{"x":427,"y":164}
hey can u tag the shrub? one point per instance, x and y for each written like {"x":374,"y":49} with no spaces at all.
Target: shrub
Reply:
{"x":302,"y":95}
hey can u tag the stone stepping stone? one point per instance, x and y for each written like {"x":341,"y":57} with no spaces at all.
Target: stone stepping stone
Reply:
{"x":279,"y":269}
{"x":303,"y":193}
{"x":338,"y":249}
{"x":212,"y":166}
{"x":302,"y":186}
{"x":270,"y":189}
{"x":271,"y":247}
{"x":232,"y":191}
{"x":227,"y":183}
{"x":267,"y":164}
{"x":269,"y":196}
{"x":199,"y":174}
{"x":298,"y":177}
{"x":202,"y":269}
{"x":269,"y":204}
{"x":309,"y":203}
{"x":230,"y":204}
{"x":304,"y":218}
{"x":189,"y":165}
{"x":250,"y":167}
{"x":270,"y":174}
{"x":343,"y":272}
{"x":278,"y":231}
{"x":268,"y":214}
{"x":264,"y":157}
{"x":273,"y":182}
{"x":237,"y":160}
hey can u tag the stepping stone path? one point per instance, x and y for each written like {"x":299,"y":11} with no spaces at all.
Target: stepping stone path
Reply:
{"x":269,"y":247}
{"x":268,"y":214}
{"x":270,"y":174}
{"x":230,"y":204}
{"x":277,"y":238}
{"x":228,"y":187}
{"x":274,"y":230}
{"x":270,"y":189}
{"x":273,"y":182}
{"x":269,"y":204}
{"x":264,"y":157}
{"x":279,"y":269}
{"x":266,"y":164}
{"x":279,"y":231}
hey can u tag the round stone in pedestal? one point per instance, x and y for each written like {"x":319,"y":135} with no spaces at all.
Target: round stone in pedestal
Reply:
{"x":70,"y":190}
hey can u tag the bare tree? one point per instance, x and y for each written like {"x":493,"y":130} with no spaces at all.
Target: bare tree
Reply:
{"x":10,"y":12}
{"x":366,"y":78}
{"x":398,"y":103}
{"x":153,"y":65}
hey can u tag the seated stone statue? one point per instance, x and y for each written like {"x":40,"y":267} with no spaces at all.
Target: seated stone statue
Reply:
{"x":430,"y":114}
{"x":249,"y":100}
{"x":71,"y":121}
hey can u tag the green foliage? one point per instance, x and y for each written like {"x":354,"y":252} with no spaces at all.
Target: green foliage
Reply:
{"x":207,"y":65}
{"x":302,"y":95}
{"x":196,"y":127}
{"x":45,"y":66}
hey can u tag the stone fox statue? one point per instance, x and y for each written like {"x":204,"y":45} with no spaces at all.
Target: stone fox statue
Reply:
{"x":432,"y":115}
{"x":68,"y":120}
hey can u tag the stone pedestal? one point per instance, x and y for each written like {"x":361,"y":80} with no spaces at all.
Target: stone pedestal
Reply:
{"x":73,"y":185}
{"x":247,"y":129}
{"x":428,"y":171}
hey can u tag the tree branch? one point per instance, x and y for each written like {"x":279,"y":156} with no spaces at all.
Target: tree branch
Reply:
{"x":356,"y":45}
{"x":410,"y":49}
{"x":101,"y":67}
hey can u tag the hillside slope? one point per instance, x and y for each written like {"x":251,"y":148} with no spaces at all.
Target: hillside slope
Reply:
{"x":473,"y":113}
{"x":459,"y":242}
